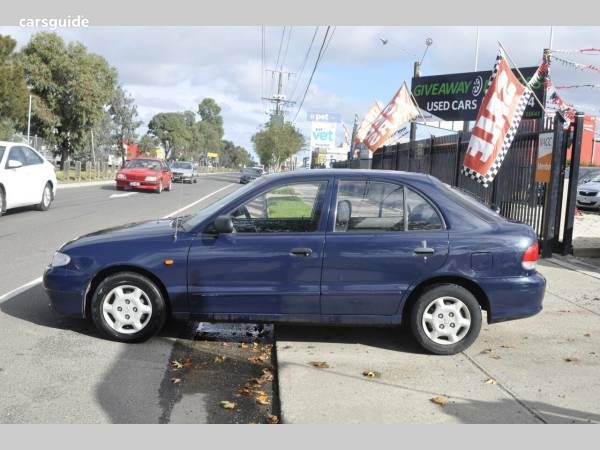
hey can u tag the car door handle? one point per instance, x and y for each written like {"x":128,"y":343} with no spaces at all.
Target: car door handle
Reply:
{"x":424,"y":251}
{"x":301,"y":251}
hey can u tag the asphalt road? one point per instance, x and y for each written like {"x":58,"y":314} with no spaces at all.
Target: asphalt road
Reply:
{"x":58,"y":370}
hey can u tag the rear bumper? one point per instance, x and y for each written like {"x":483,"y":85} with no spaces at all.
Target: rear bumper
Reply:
{"x":514,"y":297}
{"x":66,"y":291}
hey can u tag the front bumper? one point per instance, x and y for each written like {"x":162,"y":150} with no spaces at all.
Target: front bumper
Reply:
{"x":148,"y":185}
{"x":587,"y":201}
{"x":514,"y":297}
{"x":66,"y":290}
{"x":182,"y":177}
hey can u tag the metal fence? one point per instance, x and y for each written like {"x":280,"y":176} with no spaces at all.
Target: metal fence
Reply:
{"x":514,"y":192}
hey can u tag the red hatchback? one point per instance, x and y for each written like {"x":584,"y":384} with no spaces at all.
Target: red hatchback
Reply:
{"x":145,"y":173}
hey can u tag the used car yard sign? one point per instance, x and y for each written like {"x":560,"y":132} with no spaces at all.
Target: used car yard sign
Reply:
{"x":458,"y":96}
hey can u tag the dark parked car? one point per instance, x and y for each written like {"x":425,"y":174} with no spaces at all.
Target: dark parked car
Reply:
{"x":250,"y":173}
{"x":335,"y":247}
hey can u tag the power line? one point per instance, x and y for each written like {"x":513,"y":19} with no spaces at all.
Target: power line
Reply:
{"x":262,"y":64}
{"x":313,"y":71}
{"x":287,"y":46}
{"x":303,"y":65}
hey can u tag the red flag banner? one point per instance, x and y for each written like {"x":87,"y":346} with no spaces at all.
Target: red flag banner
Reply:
{"x":365,"y":126}
{"x":399,"y":110}
{"x":496,"y":123}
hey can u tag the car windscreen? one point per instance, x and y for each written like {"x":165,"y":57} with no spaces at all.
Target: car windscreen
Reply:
{"x":181,"y":165}
{"x":192,"y":221}
{"x":2,"y":152}
{"x":143,"y":164}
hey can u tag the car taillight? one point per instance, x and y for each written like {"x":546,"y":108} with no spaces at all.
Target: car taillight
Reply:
{"x":530,"y":257}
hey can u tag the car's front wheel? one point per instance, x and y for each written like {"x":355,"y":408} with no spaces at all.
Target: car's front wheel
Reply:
{"x":446,"y":319}
{"x":128,"y":307}
{"x":46,"y":201}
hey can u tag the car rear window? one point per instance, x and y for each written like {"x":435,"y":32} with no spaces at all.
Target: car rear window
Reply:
{"x":471,"y":204}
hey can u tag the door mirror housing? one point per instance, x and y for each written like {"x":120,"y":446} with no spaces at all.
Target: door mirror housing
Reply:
{"x":224,"y":224}
{"x":14,"y":164}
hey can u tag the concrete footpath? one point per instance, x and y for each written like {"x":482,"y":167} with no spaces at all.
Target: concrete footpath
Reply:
{"x":544,"y":369}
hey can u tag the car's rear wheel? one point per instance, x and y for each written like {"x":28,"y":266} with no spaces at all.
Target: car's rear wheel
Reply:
{"x":46,"y":201}
{"x":128,"y":307}
{"x":446,"y":319}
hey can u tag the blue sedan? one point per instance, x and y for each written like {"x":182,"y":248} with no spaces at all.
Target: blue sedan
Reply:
{"x":332,"y":247}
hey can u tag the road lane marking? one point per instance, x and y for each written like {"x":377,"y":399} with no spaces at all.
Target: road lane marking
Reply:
{"x":198,"y":201}
{"x":126,"y":194}
{"x":20,"y":289}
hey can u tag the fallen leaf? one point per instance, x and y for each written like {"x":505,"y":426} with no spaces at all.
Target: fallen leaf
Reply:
{"x":439,"y":400}
{"x":571,"y":359}
{"x":496,"y":356}
{"x":491,"y":381}
{"x":219,"y":359}
{"x":186,"y":362}
{"x":319,"y":364}
{"x":243,"y":345}
{"x":371,"y":374}
{"x":245,"y":391}
{"x":587,"y":335}
{"x":487,"y":350}
{"x":285,"y":347}
{"x":273,"y":419}
{"x":175,"y":380}
{"x":506,"y":346}
{"x":262,"y":400}
{"x":176,"y":364}
{"x":227,"y":404}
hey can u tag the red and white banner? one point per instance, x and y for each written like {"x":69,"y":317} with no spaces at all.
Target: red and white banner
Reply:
{"x":365,"y":126}
{"x":400,"y":109}
{"x":497,"y":121}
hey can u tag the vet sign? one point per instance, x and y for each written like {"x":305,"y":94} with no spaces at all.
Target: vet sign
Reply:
{"x":322,"y":135}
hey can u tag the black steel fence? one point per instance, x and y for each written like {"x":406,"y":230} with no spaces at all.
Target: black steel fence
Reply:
{"x":515,"y":193}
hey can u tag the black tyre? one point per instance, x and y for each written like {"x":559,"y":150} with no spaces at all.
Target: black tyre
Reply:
{"x":47,"y":197}
{"x":128,"y":307}
{"x":169,"y":186}
{"x":2,"y":201}
{"x":445,"y":319}
{"x":159,"y":189}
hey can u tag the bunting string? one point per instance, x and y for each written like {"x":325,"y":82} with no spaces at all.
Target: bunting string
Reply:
{"x":578,"y":86}
{"x":576,"y":65}
{"x":583,"y":51}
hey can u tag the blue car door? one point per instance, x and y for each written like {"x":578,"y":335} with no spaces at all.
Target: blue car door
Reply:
{"x":271,"y":263}
{"x":383,"y":237}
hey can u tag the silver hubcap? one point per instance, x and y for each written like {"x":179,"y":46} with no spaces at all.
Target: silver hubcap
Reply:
{"x":446,"y":320}
{"x":47,"y":196}
{"x":127,"y":309}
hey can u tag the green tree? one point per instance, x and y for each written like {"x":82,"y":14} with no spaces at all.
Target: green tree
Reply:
{"x":123,"y":112}
{"x":173,"y":130}
{"x":234,"y":156}
{"x":147,"y":143}
{"x":277,"y":142}
{"x":72,"y":88}
{"x":13,"y":90}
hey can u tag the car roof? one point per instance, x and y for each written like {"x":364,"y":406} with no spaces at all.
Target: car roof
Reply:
{"x":314,"y":173}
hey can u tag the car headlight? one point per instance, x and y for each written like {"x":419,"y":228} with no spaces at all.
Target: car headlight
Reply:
{"x":121,"y":176}
{"x":60,"y":259}
{"x":150,"y":178}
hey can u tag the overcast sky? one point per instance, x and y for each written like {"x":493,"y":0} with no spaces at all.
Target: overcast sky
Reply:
{"x":173,"y":68}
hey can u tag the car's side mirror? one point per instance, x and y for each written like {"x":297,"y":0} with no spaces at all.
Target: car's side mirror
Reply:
{"x":14,"y":164}
{"x":224,"y":224}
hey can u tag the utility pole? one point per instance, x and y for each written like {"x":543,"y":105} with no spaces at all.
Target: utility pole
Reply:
{"x":29,"y":121}
{"x":413,"y":124}
{"x":279,"y":99}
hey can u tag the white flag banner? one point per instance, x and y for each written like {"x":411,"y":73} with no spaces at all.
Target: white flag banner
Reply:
{"x":400,"y":109}
{"x":365,"y":126}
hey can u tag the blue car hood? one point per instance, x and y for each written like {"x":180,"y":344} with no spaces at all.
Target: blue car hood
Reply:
{"x":152,"y":229}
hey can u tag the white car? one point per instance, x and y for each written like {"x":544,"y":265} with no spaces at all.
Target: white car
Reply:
{"x":26,"y":178}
